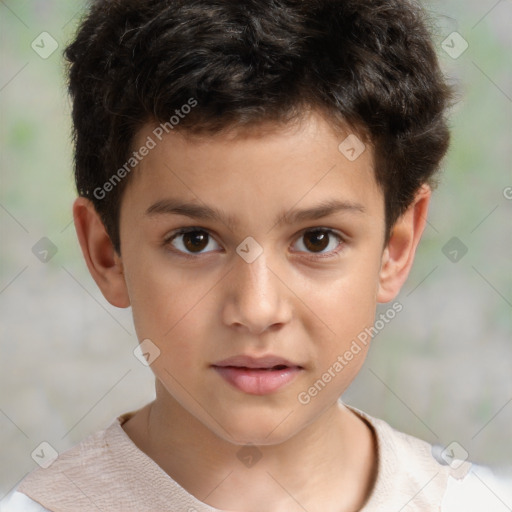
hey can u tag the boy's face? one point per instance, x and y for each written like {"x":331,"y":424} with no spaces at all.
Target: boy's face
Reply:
{"x":287,"y":292}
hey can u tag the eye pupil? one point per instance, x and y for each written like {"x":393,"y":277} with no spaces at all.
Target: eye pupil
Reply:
{"x":321,"y":237}
{"x":195,"y":240}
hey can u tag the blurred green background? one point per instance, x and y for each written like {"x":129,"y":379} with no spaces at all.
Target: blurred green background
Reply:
{"x":442,"y":370}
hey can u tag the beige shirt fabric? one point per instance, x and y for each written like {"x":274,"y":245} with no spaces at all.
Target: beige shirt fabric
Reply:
{"x":107,"y":472}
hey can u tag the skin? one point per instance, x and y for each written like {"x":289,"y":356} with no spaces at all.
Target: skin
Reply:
{"x":214,"y":304}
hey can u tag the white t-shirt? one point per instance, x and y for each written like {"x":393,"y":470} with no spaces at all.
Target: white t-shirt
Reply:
{"x":107,"y":471}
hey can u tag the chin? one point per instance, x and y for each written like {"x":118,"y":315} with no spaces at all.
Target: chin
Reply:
{"x":256,"y":429}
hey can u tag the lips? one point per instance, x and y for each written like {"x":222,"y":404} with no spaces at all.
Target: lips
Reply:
{"x":264,"y":362}
{"x":257,"y":376}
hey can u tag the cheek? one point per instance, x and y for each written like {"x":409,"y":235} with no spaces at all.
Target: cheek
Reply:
{"x":338,"y":356}
{"x":163,"y":300}
{"x":348,"y":303}
{"x":347,"y":307}
{"x":168,"y":309}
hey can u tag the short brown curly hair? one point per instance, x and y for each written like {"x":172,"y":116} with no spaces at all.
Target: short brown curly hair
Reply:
{"x":367,"y":64}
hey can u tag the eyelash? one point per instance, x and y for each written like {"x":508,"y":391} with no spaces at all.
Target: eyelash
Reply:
{"x":183,"y":231}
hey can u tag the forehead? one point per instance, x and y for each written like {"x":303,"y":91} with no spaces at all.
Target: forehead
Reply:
{"x":266,"y":167}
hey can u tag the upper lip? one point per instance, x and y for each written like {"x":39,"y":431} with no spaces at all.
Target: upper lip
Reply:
{"x":243,"y":361}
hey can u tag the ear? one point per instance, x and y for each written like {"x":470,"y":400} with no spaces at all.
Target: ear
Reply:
{"x":398,"y":256}
{"x":103,"y":262}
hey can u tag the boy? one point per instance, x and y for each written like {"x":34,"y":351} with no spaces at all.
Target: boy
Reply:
{"x":253,"y":179}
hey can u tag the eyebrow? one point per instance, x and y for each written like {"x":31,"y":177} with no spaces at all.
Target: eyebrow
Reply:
{"x":172,"y":206}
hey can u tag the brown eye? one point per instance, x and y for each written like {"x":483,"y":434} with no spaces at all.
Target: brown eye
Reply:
{"x":195,"y":240}
{"x":316,"y":241}
{"x":192,"y":241}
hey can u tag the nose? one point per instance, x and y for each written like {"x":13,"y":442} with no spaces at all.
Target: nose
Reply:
{"x":256,"y":299}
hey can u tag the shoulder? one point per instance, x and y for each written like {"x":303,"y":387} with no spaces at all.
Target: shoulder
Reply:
{"x":106,"y":471}
{"x":76,"y":473}
{"x":481,"y":489}
{"x":413,"y":475}
{"x":19,"y":502}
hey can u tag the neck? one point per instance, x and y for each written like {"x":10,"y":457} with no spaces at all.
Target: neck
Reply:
{"x":329,"y":465}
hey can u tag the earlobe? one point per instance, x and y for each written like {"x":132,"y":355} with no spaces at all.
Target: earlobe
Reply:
{"x":103,"y":262}
{"x":398,"y":256}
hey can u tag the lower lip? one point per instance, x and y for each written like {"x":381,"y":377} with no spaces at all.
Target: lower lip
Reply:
{"x":256,"y":381}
